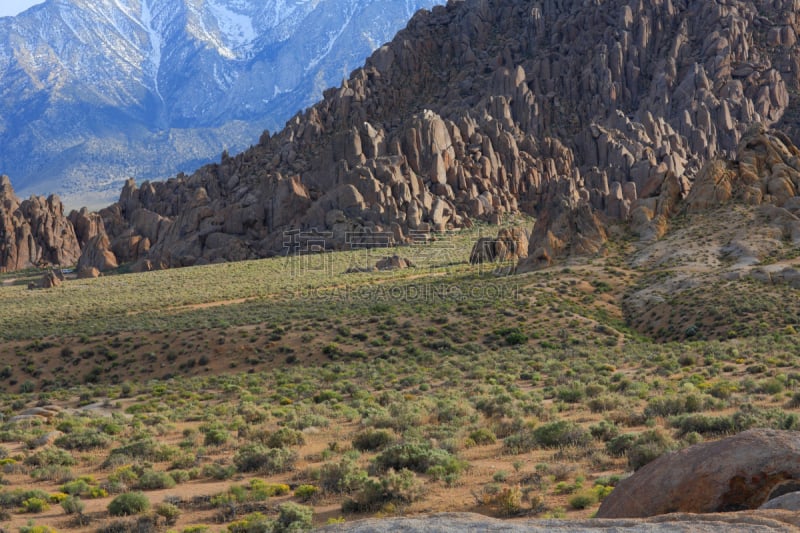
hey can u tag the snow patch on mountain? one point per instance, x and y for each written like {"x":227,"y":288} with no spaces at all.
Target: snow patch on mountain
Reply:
{"x":332,"y":37}
{"x":236,"y":27}
{"x":155,"y":45}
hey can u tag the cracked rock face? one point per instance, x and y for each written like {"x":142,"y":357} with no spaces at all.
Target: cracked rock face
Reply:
{"x":34,"y":232}
{"x":479,"y":109}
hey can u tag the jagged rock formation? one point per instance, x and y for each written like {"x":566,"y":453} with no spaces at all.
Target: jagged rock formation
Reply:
{"x":736,"y":473}
{"x":34,"y":232}
{"x":510,"y":244}
{"x":766,"y":170}
{"x":88,"y":273}
{"x":50,"y":279}
{"x":575,"y":112}
{"x":567,"y":231}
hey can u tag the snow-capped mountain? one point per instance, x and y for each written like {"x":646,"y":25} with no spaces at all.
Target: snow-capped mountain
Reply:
{"x":95,"y":91}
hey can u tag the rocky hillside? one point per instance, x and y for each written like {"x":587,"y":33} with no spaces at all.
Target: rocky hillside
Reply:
{"x":579,"y":114}
{"x":96,"y":91}
{"x":572,"y":112}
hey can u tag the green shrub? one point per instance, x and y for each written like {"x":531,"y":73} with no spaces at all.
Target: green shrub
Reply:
{"x":293,"y":518}
{"x":342,"y":477}
{"x":561,"y":433}
{"x":619,"y":446}
{"x":152,"y":480}
{"x":571,"y":394}
{"x":402,"y":487}
{"x":372,"y":439}
{"x":218,"y":471}
{"x":252,"y":523}
{"x":703,"y":424}
{"x":35,"y":505}
{"x":285,"y":437}
{"x":169,"y":511}
{"x":15,"y":497}
{"x":604,"y":430}
{"x":418,"y":458}
{"x":306,"y":492}
{"x":607,"y":402}
{"x":262,"y":490}
{"x":72,"y":505}
{"x":129,"y":503}
{"x":649,"y":446}
{"x":512,"y":336}
{"x":96,"y":492}
{"x":76,"y":487}
{"x":794,"y":401}
{"x":215,"y":435}
{"x":483,"y":436}
{"x":582,"y":501}
{"x":145,"y":449}
{"x":672,"y":405}
{"x":180,"y":476}
{"x":87,"y":439}
{"x":259,"y":458}
{"x":33,"y":528}
{"x":521,"y":441}
{"x":608,"y":481}
{"x":50,"y":457}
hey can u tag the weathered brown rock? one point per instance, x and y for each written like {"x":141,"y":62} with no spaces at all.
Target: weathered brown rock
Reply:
{"x":34,"y":232}
{"x":51,"y":280}
{"x":88,"y":273}
{"x":394,"y":262}
{"x":97,"y":254}
{"x":87,"y":225}
{"x":509,"y":245}
{"x":735,"y":473}
{"x":766,"y":170}
{"x":564,"y":231}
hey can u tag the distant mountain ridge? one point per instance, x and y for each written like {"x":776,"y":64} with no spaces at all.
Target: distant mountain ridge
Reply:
{"x":93,"y":92}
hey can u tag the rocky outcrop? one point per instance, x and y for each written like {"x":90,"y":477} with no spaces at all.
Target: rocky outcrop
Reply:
{"x":97,"y":255}
{"x":393,"y":262}
{"x":88,"y":273}
{"x":562,"y":231}
{"x":510,"y":244}
{"x":477,"y":110}
{"x":51,"y":279}
{"x":766,"y":170}
{"x":34,"y":232}
{"x":748,"y":522}
{"x":736,"y":473}
{"x":87,"y":225}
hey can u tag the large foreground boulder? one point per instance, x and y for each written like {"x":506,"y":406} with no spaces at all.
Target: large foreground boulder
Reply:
{"x":749,"y":522}
{"x":736,"y":473}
